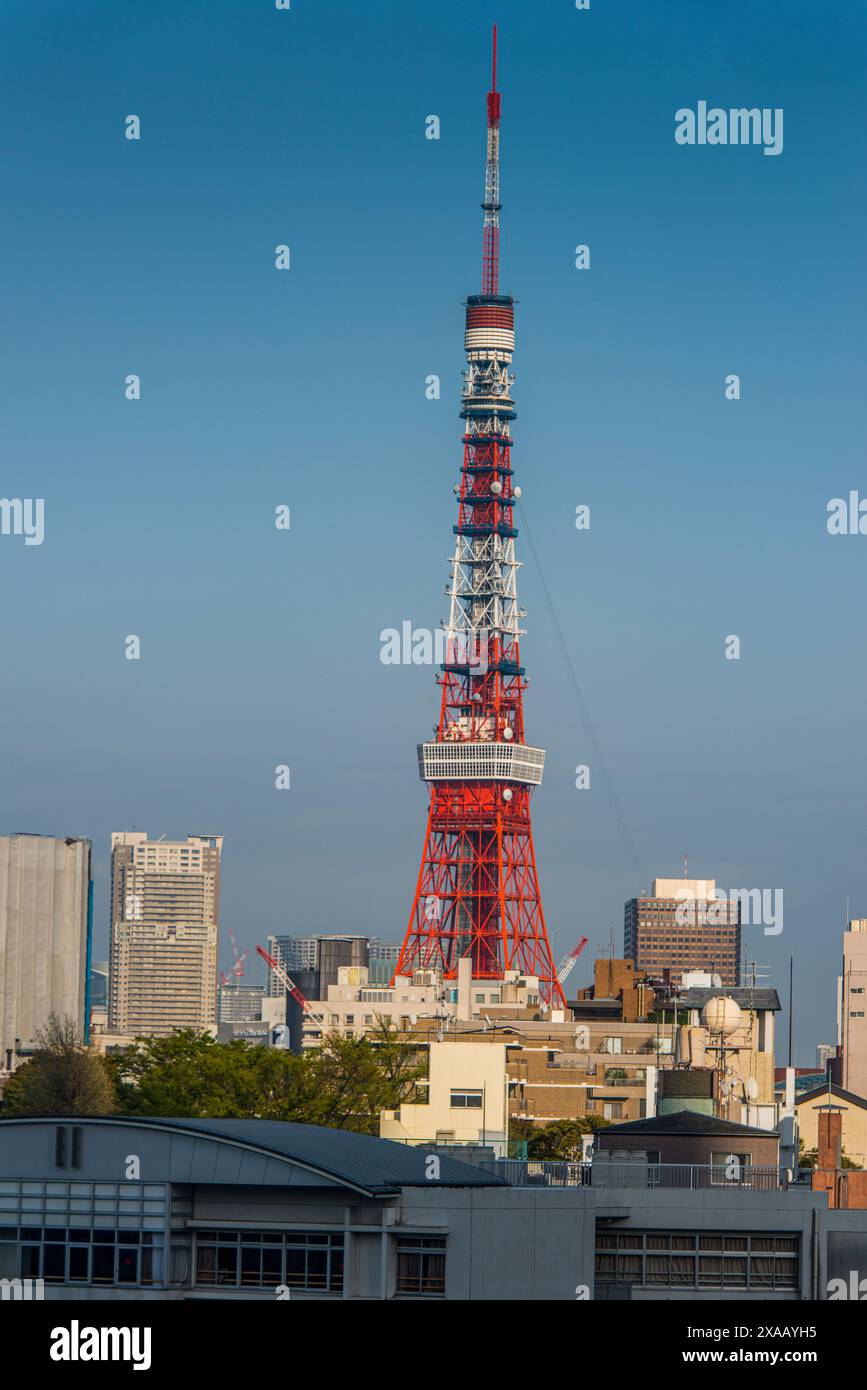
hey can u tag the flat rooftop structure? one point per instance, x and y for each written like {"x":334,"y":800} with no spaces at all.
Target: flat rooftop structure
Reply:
{"x":744,"y":996}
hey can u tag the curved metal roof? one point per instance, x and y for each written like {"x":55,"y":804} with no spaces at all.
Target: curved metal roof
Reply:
{"x":361,"y":1161}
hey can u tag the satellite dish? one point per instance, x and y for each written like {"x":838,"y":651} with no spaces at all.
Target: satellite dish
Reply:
{"x":752,"y":1088}
{"x":413,"y":1018}
{"x":725,"y":1087}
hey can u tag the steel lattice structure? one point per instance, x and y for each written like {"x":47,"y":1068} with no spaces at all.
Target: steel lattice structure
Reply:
{"x":477,"y":893}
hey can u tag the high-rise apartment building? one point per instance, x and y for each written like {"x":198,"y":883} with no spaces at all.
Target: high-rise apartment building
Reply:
{"x":45,"y":930}
{"x":165,"y":912}
{"x":294,"y":953}
{"x":853,"y":1007}
{"x":682,"y":926}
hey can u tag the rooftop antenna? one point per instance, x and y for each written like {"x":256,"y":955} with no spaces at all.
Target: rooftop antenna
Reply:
{"x":686,"y":866}
{"x":491,"y":205}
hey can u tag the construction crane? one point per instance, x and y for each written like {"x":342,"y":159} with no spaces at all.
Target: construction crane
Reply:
{"x":290,"y":985}
{"x":567,"y":964}
{"x":237,"y":970}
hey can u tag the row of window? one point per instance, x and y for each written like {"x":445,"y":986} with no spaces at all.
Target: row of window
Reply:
{"x":697,"y":1260}
{"x":309,"y":1261}
{"x":248,"y":1259}
{"x":88,"y":1256}
{"x":306,"y":1260}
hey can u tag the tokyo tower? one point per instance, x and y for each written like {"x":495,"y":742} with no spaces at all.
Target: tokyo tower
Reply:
{"x":478,"y":890}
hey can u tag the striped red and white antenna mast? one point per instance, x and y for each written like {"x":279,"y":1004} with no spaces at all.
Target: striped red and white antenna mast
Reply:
{"x":491,"y":205}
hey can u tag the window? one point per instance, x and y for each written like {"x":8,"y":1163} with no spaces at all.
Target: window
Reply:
{"x":466,"y":1100}
{"x":697,"y":1260}
{"x":421,"y":1265}
{"x":264,"y":1259}
{"x":88,"y":1256}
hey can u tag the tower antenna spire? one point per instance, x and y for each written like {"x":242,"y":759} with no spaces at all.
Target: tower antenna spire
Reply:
{"x":491,"y":205}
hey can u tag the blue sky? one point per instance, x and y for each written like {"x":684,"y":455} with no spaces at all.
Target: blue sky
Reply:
{"x":307,"y":388}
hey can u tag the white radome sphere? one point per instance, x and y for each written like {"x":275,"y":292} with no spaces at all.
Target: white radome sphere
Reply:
{"x":507,"y":794}
{"x":517,"y":492}
{"x":507,"y":733}
{"x":721,"y":1014}
{"x":496,"y":488}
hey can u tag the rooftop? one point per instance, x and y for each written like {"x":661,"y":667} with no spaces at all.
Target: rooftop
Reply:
{"x":803,"y":1096}
{"x":687,"y":1122}
{"x":743,"y":995}
{"x":362,"y":1161}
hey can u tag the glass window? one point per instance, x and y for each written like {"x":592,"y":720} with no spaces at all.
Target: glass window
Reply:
{"x":103,"y":1264}
{"x":421,"y":1265}
{"x":466,"y":1100}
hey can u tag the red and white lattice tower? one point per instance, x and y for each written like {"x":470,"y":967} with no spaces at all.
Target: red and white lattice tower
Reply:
{"x":477,"y":894}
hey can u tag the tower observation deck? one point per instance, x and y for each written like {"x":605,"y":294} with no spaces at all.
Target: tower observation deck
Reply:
{"x":477,"y":892}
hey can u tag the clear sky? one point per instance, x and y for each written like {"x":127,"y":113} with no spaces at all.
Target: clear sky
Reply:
{"x":307,"y":387}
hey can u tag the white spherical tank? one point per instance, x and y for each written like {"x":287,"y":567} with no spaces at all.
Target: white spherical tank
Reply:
{"x":721,"y":1014}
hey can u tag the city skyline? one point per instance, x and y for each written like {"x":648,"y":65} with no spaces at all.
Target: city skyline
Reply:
{"x":708,"y":516}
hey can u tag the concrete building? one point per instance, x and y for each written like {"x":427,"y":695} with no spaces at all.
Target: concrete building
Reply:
{"x":466,"y":1099}
{"x":253,"y":1209}
{"x":687,"y":1137}
{"x":619,"y":990}
{"x":240,"y":1003}
{"x":353,"y":1007}
{"x":165,"y":912}
{"x":852,"y":1110}
{"x":853,"y":1007}
{"x":45,"y":934}
{"x":680,"y":927}
{"x":601,"y":1069}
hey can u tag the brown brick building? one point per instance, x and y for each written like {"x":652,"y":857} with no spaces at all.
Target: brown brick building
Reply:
{"x":680,"y":927}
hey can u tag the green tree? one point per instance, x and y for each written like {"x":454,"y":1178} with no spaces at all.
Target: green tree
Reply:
{"x":62,"y":1077}
{"x":360,"y":1077}
{"x":344,"y":1083}
{"x":191,"y":1074}
{"x":561,"y":1139}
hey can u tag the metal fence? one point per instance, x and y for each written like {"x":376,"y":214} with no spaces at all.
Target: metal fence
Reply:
{"x":692,"y":1176}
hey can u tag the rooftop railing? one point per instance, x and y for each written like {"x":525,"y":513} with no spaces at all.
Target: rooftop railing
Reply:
{"x":635,"y":1176}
